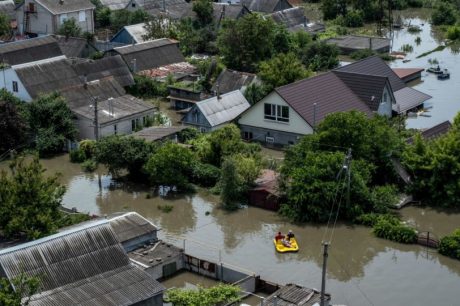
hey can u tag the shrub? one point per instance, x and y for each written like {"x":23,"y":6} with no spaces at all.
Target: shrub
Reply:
{"x":418,"y":40}
{"x":166,"y":208}
{"x":414,"y":29}
{"x":453,"y":32}
{"x":443,"y":14}
{"x":146,"y":87}
{"x":407,"y":48}
{"x":361,"y":54}
{"x":89,"y":165}
{"x":88,"y":147}
{"x":71,"y":219}
{"x":450,"y":245}
{"x":399,"y":233}
{"x":77,"y":156}
{"x":354,"y":19}
{"x":205,"y":174}
{"x":371,"y":219}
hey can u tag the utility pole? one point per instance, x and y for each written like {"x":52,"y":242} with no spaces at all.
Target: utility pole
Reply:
{"x":323,"y":279}
{"x":96,"y":119}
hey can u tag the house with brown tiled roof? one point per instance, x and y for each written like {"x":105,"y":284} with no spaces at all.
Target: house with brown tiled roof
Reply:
{"x":294,"y":110}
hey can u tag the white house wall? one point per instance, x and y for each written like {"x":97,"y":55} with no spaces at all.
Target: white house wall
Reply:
{"x":85,"y":25}
{"x":7,"y":77}
{"x":385,"y":107}
{"x":255,"y":117}
{"x":40,"y":22}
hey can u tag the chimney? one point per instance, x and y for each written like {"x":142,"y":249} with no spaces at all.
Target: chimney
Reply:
{"x":110,"y":102}
{"x":217,"y":91}
{"x":134,"y":65}
{"x":61,"y":2}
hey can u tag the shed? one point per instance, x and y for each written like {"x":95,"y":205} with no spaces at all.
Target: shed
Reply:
{"x":295,"y":295}
{"x":130,"y":34}
{"x":408,"y":74}
{"x":159,"y":133}
{"x":75,"y":46}
{"x":151,"y":54}
{"x":351,"y":43}
{"x":215,"y":112}
{"x":84,"y":265}
{"x":265,"y":194}
{"x":230,"y":80}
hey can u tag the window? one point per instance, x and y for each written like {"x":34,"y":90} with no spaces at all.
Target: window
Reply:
{"x":115,"y":129}
{"x":15,"y":86}
{"x":276,"y":112}
{"x":144,"y":121}
{"x":63,"y":17}
{"x":385,"y":97}
{"x":133,"y":4}
{"x":133,"y":125}
{"x":202,"y":130}
{"x":81,"y":16}
{"x":247,"y":135}
{"x":31,"y":7}
{"x":269,"y":139}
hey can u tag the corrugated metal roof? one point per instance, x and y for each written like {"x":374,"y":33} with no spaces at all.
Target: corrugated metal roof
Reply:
{"x":290,"y":17}
{"x":329,"y":93}
{"x":227,"y":108}
{"x":131,"y":225}
{"x":85,"y":265}
{"x":356,"y":42}
{"x":73,"y":46}
{"x":151,"y":54}
{"x":29,"y":50}
{"x":265,"y":6}
{"x":368,"y":87}
{"x":294,"y":295}
{"x":404,"y":72}
{"x":115,"y":4}
{"x":374,"y":65}
{"x":157,"y":133}
{"x":226,"y":10}
{"x":230,"y":80}
{"x":65,"y":6}
{"x":408,"y":98}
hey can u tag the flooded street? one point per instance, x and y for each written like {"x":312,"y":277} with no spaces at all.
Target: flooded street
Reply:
{"x":363,"y":270}
{"x":446,"y":93}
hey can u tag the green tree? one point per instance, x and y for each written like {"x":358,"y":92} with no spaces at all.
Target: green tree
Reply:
{"x":5,"y":28}
{"x":216,"y":295}
{"x":52,"y":122}
{"x":70,"y":28}
{"x":121,"y":18}
{"x":435,"y":168}
{"x":230,"y":184}
{"x":13,"y":125}
{"x":333,"y":8}
{"x":320,"y":56}
{"x":19,"y":295}
{"x":30,"y":200}
{"x":313,"y":187}
{"x":119,"y":153}
{"x":245,"y":42}
{"x":158,"y":27}
{"x":204,"y":12}
{"x":444,"y":13}
{"x":282,"y":69}
{"x":255,"y":92}
{"x":171,"y":165}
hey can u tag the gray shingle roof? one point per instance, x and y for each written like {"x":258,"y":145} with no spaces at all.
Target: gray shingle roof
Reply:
{"x":85,"y":265}
{"x":151,"y":54}
{"x":265,"y":6}
{"x":290,"y":17}
{"x":65,"y":6}
{"x":356,"y":42}
{"x":175,"y":9}
{"x":368,"y":87}
{"x":230,"y":80}
{"x":326,"y":90}
{"x":131,"y":225}
{"x":223,"y":110}
{"x":136,"y":31}
{"x":29,"y":50}
{"x":408,"y":98}
{"x":73,"y":46}
{"x":230,"y":11}
{"x":374,"y":65}
{"x":115,"y":4}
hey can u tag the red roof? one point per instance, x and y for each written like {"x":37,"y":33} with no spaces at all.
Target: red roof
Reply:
{"x":405,"y":72}
{"x":267,"y":181}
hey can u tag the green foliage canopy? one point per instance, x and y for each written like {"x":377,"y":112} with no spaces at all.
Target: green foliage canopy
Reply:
{"x":319,"y":56}
{"x":13,"y":124}
{"x":70,"y":28}
{"x":24,"y":288}
{"x":216,"y":295}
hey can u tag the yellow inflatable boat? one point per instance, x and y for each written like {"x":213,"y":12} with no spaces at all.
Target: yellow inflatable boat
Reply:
{"x":280,"y":247}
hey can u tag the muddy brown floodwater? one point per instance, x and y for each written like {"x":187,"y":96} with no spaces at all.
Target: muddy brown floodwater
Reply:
{"x":362,"y":270}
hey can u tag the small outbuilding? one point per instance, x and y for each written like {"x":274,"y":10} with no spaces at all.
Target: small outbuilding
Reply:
{"x":352,"y":43}
{"x":295,"y":295}
{"x":159,"y":133}
{"x":265,"y":194}
{"x":230,"y":80}
{"x":408,"y":74}
{"x":213,"y":113}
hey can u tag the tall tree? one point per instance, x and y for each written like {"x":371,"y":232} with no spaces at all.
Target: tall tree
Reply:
{"x":5,"y":27}
{"x":30,"y":200}
{"x":70,"y":28}
{"x":51,"y":120}
{"x":203,"y":10}
{"x":245,"y":42}
{"x":158,"y":27}
{"x":24,"y":288}
{"x":282,"y":69}
{"x":216,"y":295}
{"x":13,"y":125}
{"x":319,"y":56}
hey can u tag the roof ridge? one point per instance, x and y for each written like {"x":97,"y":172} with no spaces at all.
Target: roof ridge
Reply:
{"x":359,"y":73}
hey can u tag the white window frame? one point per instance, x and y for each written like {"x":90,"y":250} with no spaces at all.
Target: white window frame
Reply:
{"x":15,"y":86}
{"x":276,"y":112}
{"x":270,"y":139}
{"x":81,"y":16}
{"x":63,"y":17}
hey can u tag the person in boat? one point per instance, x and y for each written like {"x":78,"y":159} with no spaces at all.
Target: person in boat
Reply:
{"x":290,"y":235}
{"x":279,"y":237}
{"x":286,"y":242}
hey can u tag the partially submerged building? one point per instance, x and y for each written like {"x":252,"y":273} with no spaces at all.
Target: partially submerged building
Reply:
{"x":84,"y":265}
{"x":295,"y":295}
{"x":213,"y":113}
{"x":352,"y":43}
{"x":265,"y":193}
{"x":159,"y":133}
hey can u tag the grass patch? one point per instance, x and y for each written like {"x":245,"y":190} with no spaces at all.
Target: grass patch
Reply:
{"x":438,"y":48}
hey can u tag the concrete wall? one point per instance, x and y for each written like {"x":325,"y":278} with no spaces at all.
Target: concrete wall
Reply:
{"x":7,"y":76}
{"x":280,"y":138}
{"x":157,"y":271}
{"x":153,"y":301}
{"x":136,"y":242}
